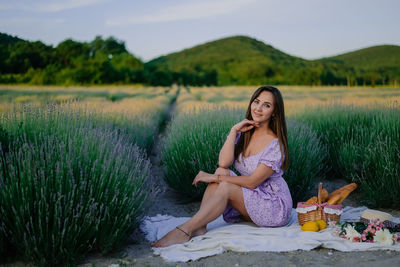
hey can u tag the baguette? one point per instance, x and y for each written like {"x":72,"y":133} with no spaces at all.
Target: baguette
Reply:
{"x":333,"y":200}
{"x":350,"y":187}
{"x":344,"y":194}
{"x":324,"y":195}
{"x":339,"y":195}
{"x":311,"y":201}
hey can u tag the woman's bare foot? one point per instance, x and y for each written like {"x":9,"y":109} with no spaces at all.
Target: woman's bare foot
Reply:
{"x":176,"y":236}
{"x":200,"y":231}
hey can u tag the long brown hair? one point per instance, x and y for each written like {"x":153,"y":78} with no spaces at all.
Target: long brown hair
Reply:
{"x":277,"y":124}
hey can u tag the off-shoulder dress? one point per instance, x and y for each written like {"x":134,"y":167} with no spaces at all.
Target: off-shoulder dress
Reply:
{"x":270,"y":203}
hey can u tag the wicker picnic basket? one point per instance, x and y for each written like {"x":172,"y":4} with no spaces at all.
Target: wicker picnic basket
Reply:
{"x":318,"y":211}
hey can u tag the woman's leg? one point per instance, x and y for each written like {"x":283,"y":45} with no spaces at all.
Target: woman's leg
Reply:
{"x":207,"y":194}
{"x":225,"y":194}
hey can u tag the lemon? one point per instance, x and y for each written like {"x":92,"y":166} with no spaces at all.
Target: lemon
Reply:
{"x":310,"y":226}
{"x":321,"y":224}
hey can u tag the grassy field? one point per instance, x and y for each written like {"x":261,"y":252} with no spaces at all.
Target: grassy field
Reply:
{"x":297,"y":98}
{"x":71,"y":157}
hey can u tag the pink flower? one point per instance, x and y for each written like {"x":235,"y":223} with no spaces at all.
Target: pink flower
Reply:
{"x":356,"y":239}
{"x":363,"y":237}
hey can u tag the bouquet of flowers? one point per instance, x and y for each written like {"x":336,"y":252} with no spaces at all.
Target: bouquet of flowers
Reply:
{"x":374,"y":231}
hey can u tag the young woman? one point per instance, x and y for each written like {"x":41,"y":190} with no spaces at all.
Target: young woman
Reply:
{"x":258,"y":148}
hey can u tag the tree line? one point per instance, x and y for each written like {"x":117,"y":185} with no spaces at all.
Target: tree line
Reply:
{"x":101,"y":61}
{"x":107,"y":61}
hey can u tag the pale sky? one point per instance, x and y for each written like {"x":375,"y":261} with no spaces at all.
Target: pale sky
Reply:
{"x":306,"y":28}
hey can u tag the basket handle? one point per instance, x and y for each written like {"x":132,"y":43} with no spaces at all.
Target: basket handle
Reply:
{"x":320,"y":193}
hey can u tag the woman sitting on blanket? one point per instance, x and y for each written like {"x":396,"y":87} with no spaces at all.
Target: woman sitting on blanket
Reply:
{"x":258,"y":148}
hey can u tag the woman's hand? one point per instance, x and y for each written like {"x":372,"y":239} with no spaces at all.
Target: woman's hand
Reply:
{"x":204,"y":177}
{"x":245,"y":125}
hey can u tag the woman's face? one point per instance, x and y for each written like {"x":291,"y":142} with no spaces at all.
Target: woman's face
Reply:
{"x":262,"y":107}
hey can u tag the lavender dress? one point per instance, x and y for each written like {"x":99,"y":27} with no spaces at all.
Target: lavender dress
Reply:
{"x":270,"y":203}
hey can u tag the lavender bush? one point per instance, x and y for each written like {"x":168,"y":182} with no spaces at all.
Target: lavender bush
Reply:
{"x":69,"y":185}
{"x":193,"y":143}
{"x":4,"y":244}
{"x":307,"y":160}
{"x":30,"y":120}
{"x":363,"y":144}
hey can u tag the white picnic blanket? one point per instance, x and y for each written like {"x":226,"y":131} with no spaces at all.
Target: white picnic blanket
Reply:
{"x":245,"y":237}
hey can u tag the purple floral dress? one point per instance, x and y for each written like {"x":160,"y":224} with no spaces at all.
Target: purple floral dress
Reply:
{"x":270,"y":203}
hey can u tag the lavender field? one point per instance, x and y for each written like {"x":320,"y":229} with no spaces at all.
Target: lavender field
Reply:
{"x":75,"y":171}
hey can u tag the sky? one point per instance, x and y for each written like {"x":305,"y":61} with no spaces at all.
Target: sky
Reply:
{"x":305,"y":28}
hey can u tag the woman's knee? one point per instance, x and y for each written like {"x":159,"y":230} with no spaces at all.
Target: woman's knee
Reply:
{"x":212,"y":185}
{"x":225,"y":188}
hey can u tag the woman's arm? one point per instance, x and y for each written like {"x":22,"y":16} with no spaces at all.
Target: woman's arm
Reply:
{"x":260,"y":174}
{"x":226,"y":155}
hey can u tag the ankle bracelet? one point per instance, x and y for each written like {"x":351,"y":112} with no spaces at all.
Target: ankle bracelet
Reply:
{"x":183,"y":231}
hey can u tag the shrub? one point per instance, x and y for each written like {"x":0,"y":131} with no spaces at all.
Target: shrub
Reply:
{"x":4,"y":139}
{"x":193,"y":143}
{"x":69,"y":185}
{"x":363,"y":145}
{"x":137,"y":129}
{"x":4,"y":144}
{"x":140,"y":130}
{"x":195,"y":139}
{"x":307,"y":160}
{"x":380,"y":174}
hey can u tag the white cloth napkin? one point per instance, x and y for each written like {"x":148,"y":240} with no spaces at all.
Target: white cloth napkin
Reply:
{"x":245,"y":237}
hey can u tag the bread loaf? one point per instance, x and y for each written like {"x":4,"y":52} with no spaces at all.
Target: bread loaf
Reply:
{"x":324,"y":195}
{"x":311,"y":201}
{"x":334,"y":200}
{"x":348,"y":187}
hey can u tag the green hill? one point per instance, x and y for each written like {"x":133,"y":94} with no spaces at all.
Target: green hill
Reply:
{"x":236,"y":60}
{"x":244,"y":60}
{"x":375,"y":57}
{"x":372,"y":65}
